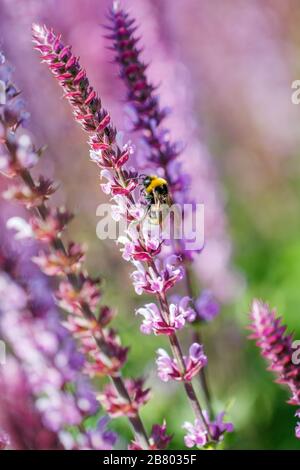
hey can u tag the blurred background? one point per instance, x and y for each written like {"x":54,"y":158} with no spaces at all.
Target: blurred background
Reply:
{"x":226,"y":69}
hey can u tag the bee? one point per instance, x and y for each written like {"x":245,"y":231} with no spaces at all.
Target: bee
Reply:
{"x":157,"y":195}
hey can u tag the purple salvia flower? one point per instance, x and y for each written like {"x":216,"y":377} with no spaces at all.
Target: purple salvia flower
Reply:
{"x":276,"y":348}
{"x":161,"y":153}
{"x":196,"y":435}
{"x":207,"y":307}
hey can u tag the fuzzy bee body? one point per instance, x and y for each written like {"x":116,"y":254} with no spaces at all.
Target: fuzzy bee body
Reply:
{"x":158,"y":197}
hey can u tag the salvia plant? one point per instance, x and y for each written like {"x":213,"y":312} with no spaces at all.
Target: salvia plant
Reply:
{"x":156,"y":270}
{"x":65,"y":358}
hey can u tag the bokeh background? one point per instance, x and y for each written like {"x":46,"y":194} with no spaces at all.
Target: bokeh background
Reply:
{"x":226,"y":69}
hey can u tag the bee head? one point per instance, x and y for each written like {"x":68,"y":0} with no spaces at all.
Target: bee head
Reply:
{"x":147,"y":180}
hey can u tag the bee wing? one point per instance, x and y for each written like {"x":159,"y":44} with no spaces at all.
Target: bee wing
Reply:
{"x":169,"y":201}
{"x":156,"y":211}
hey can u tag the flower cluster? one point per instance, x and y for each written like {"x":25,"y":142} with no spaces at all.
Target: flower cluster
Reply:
{"x":52,"y":226}
{"x":158,"y":440}
{"x":31,"y":196}
{"x":157,"y":278}
{"x":154,"y":322}
{"x":117,"y":406}
{"x":168,"y":368}
{"x":58,"y":262}
{"x":199,"y":436}
{"x":94,"y":438}
{"x":276,"y":348}
{"x":103,"y":354}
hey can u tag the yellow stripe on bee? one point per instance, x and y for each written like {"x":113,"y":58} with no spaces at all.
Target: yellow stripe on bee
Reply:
{"x":155,"y":183}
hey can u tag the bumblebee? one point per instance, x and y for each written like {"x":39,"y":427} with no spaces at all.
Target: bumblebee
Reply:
{"x":157,"y":195}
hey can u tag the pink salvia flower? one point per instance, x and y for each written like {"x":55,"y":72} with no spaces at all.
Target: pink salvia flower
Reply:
{"x":31,"y":197}
{"x":159,"y":439}
{"x":276,"y":348}
{"x":73,"y":300}
{"x":154,"y":322}
{"x":157,"y":280}
{"x":52,"y":226}
{"x":197,"y":434}
{"x":168,"y":368}
{"x":59,"y":263}
{"x":116,"y":406}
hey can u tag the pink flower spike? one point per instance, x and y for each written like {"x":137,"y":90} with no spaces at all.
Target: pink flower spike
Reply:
{"x":276,"y":347}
